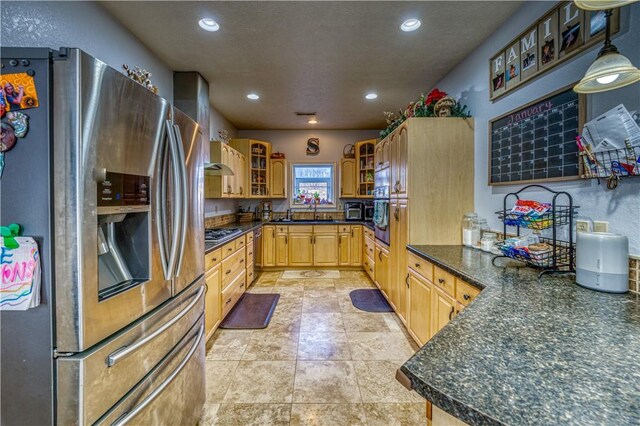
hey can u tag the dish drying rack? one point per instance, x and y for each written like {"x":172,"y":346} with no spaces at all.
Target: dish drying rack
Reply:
{"x":561,"y":257}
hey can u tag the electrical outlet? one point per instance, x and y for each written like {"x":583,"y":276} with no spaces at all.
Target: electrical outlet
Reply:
{"x":582,"y":225}
{"x":600,"y":226}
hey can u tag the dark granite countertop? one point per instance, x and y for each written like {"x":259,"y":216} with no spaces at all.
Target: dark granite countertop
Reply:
{"x":250,"y":226}
{"x":529,"y":351}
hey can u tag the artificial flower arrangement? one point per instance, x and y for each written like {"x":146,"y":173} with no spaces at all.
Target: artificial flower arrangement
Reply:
{"x":436,"y":104}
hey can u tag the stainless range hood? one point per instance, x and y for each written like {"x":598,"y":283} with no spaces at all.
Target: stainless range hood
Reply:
{"x":217,"y":169}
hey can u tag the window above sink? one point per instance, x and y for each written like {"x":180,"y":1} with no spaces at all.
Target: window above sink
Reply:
{"x":313,"y":185}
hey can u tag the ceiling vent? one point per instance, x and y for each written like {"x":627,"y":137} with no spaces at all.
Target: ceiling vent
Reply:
{"x":305,"y":114}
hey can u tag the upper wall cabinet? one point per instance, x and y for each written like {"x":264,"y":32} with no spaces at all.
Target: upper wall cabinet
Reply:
{"x":278,"y":178}
{"x":348,"y":178}
{"x":226,"y":186}
{"x":256,"y":174}
{"x":365,"y":168}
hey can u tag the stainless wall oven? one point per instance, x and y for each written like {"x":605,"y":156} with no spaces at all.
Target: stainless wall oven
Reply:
{"x":381,"y":197}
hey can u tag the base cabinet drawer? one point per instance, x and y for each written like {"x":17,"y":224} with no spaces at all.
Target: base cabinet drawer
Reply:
{"x":369,"y":268}
{"x":232,"y":293}
{"x":213,"y":258}
{"x":465,"y":292}
{"x":420,"y":266}
{"x":231,"y":267}
{"x":444,"y":280}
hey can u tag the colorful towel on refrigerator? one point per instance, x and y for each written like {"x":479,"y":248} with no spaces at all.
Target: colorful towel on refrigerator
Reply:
{"x":19,"y":275}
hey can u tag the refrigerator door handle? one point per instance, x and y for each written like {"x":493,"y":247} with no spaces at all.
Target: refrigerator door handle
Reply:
{"x":184,"y":195}
{"x":125,"y":351}
{"x":128,"y":416}
{"x":160,"y":211}
{"x":177,"y":198}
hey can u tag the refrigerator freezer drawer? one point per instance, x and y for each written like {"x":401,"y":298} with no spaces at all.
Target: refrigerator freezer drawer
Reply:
{"x":90,"y":383}
{"x":173,"y":393}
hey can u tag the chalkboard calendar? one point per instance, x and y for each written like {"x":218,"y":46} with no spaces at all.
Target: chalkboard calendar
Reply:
{"x":537,"y":142}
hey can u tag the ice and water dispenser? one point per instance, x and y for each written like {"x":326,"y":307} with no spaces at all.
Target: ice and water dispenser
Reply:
{"x":124,"y":232}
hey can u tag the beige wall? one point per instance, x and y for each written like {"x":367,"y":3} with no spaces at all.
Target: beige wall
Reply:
{"x":294,"y":142}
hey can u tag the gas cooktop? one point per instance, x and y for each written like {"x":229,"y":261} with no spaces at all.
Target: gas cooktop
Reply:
{"x":217,"y":234}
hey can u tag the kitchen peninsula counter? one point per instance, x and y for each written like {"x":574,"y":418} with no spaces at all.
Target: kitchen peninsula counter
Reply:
{"x":529,"y":350}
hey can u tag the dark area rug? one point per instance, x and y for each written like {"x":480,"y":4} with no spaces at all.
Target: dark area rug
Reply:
{"x":370,"y":300}
{"x":253,"y":310}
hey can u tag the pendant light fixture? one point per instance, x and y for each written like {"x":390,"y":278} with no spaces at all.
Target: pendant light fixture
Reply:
{"x":601,"y":4}
{"x":611,"y":70}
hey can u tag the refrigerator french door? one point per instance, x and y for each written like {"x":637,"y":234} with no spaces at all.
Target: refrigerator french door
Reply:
{"x":109,"y":264}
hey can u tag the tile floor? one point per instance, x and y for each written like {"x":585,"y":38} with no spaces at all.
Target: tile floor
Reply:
{"x":320,"y":361}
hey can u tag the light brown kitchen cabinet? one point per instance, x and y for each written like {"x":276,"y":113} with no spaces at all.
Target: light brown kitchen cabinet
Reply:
{"x":382,"y":269}
{"x":381,"y":154}
{"x":278,"y":178}
{"x":420,"y":312}
{"x":444,"y":310}
{"x":224,"y":186}
{"x":348,"y":178}
{"x":344,"y":249}
{"x":399,"y":150}
{"x":300,"y":245}
{"x":254,"y":181}
{"x":282,"y":247}
{"x":325,"y":245}
{"x":398,"y":223}
{"x":356,"y":239}
{"x":365,"y":168}
{"x":268,"y":246}
{"x":213,"y":311}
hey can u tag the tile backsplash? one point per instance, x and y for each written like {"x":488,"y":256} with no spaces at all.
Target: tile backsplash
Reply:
{"x":634,"y":274}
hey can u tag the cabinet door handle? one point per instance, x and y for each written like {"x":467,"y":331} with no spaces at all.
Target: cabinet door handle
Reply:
{"x":466,"y":297}
{"x":215,"y":259}
{"x":441,"y":280}
{"x":451,"y":313}
{"x":283,"y":192}
{"x":267,"y":190}
{"x":406,"y":281}
{"x":228,"y":301}
{"x":286,"y":239}
{"x":352,"y":233}
{"x":380,"y":255}
{"x":395,"y":214}
{"x":228,"y":272}
{"x":241,"y":260}
{"x":417,"y":265}
{"x":341,"y":191}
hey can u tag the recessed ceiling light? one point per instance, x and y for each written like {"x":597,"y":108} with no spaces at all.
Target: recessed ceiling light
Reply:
{"x":371,"y":95}
{"x":253,"y":96}
{"x":313,"y":121}
{"x":208,"y":24}
{"x":411,"y":24}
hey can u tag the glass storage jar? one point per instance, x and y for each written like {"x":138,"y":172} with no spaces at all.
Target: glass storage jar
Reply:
{"x":488,"y":240}
{"x":481,"y":227}
{"x":468,"y":221}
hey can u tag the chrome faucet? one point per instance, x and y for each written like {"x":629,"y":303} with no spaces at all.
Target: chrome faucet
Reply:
{"x":314,"y":206}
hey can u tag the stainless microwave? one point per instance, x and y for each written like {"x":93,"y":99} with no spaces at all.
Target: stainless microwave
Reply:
{"x":353,"y":210}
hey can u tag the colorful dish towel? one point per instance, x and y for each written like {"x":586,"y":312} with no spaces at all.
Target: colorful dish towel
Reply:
{"x":19,"y":275}
{"x":381,"y":213}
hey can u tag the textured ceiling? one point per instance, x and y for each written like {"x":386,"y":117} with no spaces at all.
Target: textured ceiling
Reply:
{"x":315,"y":56}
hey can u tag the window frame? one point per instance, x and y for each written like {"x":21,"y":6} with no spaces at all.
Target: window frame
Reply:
{"x":292,"y":185}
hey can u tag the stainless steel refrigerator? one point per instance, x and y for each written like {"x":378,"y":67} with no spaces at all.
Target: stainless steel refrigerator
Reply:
{"x":109,"y":181}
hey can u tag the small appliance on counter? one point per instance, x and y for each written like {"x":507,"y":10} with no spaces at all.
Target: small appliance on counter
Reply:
{"x":368,"y":211}
{"x":353,"y":210}
{"x":602,"y":261}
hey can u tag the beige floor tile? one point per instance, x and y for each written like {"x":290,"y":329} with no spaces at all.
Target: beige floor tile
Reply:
{"x":262,"y":382}
{"x":320,"y":292}
{"x":346,"y":305}
{"x":218,"y":375}
{"x":252,"y":414}
{"x":325,"y":382}
{"x":209,"y":412}
{"x":393,"y":322}
{"x":377,"y":383}
{"x":321,"y":323}
{"x":327,"y":415}
{"x":320,"y":304}
{"x":272,"y":346}
{"x":325,"y":284}
{"x":413,"y":414}
{"x":323,"y":346}
{"x":364,"y":321}
{"x":228,"y":344}
{"x":379,"y":346}
{"x":284,"y":322}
